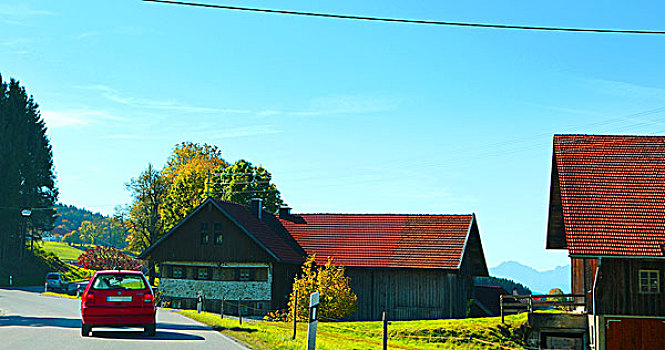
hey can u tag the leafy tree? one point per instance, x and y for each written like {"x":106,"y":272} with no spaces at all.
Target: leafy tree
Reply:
{"x":26,"y":169}
{"x":145,"y":222}
{"x":107,"y":258}
{"x":337,"y":300}
{"x":72,"y":237}
{"x":556,"y":291}
{"x":87,"y":232}
{"x":187,"y":172}
{"x":242,"y":181}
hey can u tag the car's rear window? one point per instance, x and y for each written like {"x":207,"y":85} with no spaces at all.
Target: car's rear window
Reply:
{"x":52,"y":277}
{"x":118,"y":281}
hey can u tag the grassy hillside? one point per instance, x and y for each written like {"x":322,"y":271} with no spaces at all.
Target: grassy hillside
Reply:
{"x":62,"y":250}
{"x":32,"y":270}
{"x":485,"y":333}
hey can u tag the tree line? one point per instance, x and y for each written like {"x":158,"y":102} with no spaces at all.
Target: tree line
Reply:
{"x":27,"y":191}
{"x":80,"y":226}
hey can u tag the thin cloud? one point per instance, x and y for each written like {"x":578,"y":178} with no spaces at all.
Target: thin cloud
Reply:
{"x":87,"y":35}
{"x":15,"y":42}
{"x":22,"y":10}
{"x":115,"y":96}
{"x":248,"y":131}
{"x":76,"y":118}
{"x":339,"y":105}
{"x":625,"y":89}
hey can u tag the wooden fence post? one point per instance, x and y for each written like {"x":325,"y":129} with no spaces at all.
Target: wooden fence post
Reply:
{"x":239,"y":311}
{"x":501,"y":302}
{"x":295,"y":314}
{"x":385,"y":331}
{"x":530,"y":303}
{"x":221,"y":308}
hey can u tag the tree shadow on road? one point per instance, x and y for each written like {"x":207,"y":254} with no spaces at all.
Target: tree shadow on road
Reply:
{"x":194,"y":327}
{"x":29,"y":321}
{"x":134,"y":335}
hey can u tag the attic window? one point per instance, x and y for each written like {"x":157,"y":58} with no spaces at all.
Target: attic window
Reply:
{"x":218,"y":234}
{"x":205,"y":235}
{"x":649,"y":281}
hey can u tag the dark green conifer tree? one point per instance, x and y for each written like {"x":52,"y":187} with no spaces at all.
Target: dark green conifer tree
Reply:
{"x":27,"y":180}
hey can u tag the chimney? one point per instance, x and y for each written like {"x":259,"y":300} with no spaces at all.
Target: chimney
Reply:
{"x":257,"y":207}
{"x":284,"y":212}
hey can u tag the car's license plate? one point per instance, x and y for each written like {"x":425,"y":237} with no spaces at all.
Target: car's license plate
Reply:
{"x":127,"y":298}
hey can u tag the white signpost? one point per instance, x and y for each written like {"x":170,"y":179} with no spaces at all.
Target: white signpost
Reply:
{"x":313,"y":320}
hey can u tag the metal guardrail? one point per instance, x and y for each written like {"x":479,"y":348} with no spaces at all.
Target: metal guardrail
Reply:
{"x":521,"y":303}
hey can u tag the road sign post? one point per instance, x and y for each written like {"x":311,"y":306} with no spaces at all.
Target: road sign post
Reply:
{"x":313,"y":320}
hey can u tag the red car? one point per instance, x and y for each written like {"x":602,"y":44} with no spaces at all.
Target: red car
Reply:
{"x":118,"y":298}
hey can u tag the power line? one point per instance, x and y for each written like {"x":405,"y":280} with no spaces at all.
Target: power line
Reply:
{"x":410,"y":21}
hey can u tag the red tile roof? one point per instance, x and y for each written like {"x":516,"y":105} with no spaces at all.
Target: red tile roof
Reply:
{"x":612,"y":194}
{"x":412,"y":241}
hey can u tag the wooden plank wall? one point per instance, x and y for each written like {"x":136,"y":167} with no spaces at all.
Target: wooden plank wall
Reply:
{"x":409,"y":294}
{"x":583,"y":271}
{"x":282,"y":284}
{"x":618,"y":288}
{"x":184,"y":244}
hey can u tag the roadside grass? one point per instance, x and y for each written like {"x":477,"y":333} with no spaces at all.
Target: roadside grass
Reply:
{"x":60,"y":295}
{"x":487,"y":333}
{"x":62,"y":250}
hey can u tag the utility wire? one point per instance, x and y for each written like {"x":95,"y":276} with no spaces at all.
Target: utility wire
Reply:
{"x":410,"y":21}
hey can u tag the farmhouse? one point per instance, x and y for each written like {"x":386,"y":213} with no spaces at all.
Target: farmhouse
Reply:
{"x":607,"y":208}
{"x":412,"y":266}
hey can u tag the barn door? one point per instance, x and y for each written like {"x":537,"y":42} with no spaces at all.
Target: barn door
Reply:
{"x":634,"y":333}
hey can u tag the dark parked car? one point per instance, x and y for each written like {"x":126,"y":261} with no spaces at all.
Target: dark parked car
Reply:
{"x":55,"y":281}
{"x":118,"y":298}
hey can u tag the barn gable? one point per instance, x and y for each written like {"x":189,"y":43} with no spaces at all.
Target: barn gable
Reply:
{"x":244,"y":237}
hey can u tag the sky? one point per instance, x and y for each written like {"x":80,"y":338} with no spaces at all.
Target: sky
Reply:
{"x":348,"y":116}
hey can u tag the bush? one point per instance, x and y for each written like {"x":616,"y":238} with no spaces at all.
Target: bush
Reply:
{"x":336,"y":300}
{"x":107,"y":258}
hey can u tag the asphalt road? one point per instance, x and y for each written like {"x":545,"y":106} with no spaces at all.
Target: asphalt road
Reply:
{"x":29,"y":320}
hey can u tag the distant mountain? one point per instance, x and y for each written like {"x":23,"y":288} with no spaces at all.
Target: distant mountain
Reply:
{"x":538,"y":281}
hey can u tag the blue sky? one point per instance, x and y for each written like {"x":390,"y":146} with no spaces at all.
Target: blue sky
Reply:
{"x":349,"y":116}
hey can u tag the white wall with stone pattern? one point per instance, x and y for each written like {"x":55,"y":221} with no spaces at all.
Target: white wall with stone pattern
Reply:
{"x":231,"y":290}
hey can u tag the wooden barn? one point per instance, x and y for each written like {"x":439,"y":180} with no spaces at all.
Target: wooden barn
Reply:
{"x":412,"y":266}
{"x":607,"y":208}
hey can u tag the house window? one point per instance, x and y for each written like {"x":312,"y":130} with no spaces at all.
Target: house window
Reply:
{"x":205,"y":235}
{"x":218,"y":234}
{"x":176,"y":272}
{"x":202,"y":273}
{"x":245,"y":275}
{"x":649,"y":281}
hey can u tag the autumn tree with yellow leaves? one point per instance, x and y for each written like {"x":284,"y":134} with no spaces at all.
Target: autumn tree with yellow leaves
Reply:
{"x":336,"y":300}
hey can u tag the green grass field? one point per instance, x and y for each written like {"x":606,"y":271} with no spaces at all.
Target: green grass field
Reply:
{"x":486,"y":333}
{"x":62,"y":250}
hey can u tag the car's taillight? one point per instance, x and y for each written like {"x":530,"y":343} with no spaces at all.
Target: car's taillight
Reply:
{"x":89,"y":298}
{"x":147,"y":298}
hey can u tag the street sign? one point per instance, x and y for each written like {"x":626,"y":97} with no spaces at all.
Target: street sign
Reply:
{"x":313,"y":320}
